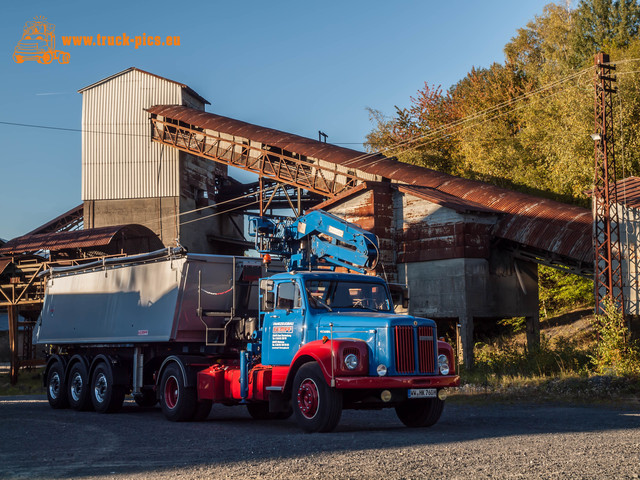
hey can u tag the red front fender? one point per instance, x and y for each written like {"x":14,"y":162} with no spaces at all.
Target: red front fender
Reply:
{"x":321,"y":352}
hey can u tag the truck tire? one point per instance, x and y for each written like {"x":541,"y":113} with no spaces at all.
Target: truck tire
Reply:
{"x":420,"y":413}
{"x":178,"y":402}
{"x":78,"y":387}
{"x":146,"y":398}
{"x":105,"y":396}
{"x":316,"y":406}
{"x":56,"y":388}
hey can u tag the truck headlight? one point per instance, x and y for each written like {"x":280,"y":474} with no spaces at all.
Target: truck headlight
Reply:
{"x":351,"y":361}
{"x":382,"y":370}
{"x":443,"y":364}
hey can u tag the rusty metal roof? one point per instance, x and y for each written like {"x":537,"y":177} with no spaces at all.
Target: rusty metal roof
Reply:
{"x":79,"y":239}
{"x":542,"y":224}
{"x":628,"y":192}
{"x":269,"y":136}
{"x":536,"y":222}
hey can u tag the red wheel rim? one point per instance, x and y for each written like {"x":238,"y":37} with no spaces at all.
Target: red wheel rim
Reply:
{"x":171,"y":392}
{"x":308,"y":398}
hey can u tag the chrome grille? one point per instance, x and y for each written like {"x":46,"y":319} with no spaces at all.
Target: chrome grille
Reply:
{"x":406,"y":343}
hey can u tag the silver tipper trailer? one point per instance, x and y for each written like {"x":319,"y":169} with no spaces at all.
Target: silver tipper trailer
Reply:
{"x":150,"y":298}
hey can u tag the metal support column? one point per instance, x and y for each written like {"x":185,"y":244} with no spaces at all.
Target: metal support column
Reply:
{"x":13,"y":343}
{"x":606,"y":238}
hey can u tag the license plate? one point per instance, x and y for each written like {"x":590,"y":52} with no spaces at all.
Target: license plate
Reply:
{"x":423,"y":393}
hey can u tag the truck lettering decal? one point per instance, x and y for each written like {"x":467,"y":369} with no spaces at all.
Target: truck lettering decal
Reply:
{"x":282,"y":332}
{"x":143,"y":332}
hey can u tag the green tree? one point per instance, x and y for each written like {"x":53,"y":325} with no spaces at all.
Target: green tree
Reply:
{"x":604,"y":25}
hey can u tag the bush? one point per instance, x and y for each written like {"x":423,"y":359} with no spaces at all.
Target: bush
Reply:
{"x":560,"y":291}
{"x":614,"y":353}
{"x":506,"y":357}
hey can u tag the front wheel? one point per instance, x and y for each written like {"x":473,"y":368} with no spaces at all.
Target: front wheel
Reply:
{"x":316,"y":406}
{"x":420,"y":413}
{"x":178,"y":402}
{"x":105,"y":396}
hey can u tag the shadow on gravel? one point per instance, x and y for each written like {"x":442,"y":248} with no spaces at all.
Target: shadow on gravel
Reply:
{"x":74,"y":444}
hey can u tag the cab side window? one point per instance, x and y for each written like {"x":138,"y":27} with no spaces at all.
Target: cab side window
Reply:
{"x":288,"y":296}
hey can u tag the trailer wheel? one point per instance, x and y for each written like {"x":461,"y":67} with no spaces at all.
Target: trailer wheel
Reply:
{"x":56,"y":389}
{"x":316,"y":406}
{"x":78,"y":387}
{"x":146,"y":398}
{"x":420,"y":413}
{"x":105,"y":396}
{"x":178,"y":402}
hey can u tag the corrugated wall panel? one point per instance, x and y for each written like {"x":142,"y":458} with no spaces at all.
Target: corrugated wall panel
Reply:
{"x":119,"y":161}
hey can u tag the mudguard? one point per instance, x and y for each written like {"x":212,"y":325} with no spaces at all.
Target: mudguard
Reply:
{"x":53,"y":359}
{"x":320,"y":351}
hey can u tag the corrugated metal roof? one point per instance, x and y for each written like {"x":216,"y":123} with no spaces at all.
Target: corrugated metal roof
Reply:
{"x":78,"y":239}
{"x":542,"y":224}
{"x":628,"y":191}
{"x":130,"y":69}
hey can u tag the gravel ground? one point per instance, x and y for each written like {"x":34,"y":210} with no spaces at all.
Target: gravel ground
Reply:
{"x":470,"y":441}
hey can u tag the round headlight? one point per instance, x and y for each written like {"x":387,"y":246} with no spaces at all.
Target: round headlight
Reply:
{"x":382,"y":370}
{"x":443,"y":364}
{"x":351,"y":361}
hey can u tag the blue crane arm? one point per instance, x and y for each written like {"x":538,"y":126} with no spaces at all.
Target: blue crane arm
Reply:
{"x":317,"y":238}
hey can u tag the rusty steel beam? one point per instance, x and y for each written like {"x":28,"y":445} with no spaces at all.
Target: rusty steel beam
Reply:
{"x":606,"y":232}
{"x":267,"y":161}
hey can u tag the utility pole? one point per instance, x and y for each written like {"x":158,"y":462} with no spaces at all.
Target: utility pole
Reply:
{"x":606,"y":233}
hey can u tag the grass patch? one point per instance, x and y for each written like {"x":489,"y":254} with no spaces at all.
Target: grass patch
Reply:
{"x":29,"y":383}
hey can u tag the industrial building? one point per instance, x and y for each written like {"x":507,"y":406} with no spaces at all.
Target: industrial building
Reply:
{"x":467,"y":250}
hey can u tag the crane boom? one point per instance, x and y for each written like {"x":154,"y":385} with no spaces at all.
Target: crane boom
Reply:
{"x":315,"y":239}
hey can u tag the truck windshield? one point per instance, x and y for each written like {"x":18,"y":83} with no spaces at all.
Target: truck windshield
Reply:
{"x":332,"y":294}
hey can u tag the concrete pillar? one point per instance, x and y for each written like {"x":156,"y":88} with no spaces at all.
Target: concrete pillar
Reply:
{"x":13,"y":343}
{"x":533,"y":332}
{"x":466,"y":334}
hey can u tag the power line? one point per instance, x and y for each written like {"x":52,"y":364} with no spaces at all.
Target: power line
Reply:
{"x":124,"y":134}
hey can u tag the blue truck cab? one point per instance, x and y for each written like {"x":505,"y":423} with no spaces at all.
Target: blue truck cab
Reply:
{"x":372,"y":356}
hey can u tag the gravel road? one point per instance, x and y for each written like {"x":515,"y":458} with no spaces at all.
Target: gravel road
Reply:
{"x":469,"y":442}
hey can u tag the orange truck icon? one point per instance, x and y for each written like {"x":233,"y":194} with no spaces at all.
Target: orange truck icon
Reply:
{"x":39,"y":43}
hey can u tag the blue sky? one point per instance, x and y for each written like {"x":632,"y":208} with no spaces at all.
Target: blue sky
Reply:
{"x":292,"y":65}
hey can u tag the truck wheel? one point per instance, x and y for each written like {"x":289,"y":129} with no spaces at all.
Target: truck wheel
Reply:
{"x":178,"y":402}
{"x":78,"y":388}
{"x":105,"y":396}
{"x":56,"y":389}
{"x":146,"y":398}
{"x":420,"y":413}
{"x":316,"y":406}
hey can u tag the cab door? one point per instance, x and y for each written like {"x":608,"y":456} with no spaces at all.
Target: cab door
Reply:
{"x":283,"y":326}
